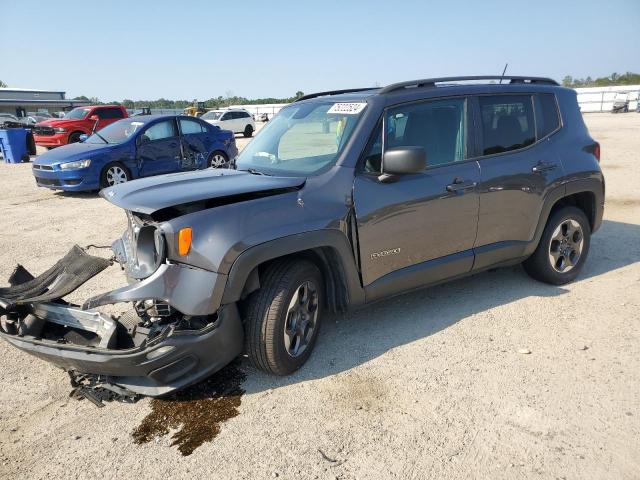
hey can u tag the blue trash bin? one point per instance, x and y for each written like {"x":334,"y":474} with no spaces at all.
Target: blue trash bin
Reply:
{"x":13,"y":142}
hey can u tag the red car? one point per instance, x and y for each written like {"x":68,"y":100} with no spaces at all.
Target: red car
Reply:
{"x":56,"y":132}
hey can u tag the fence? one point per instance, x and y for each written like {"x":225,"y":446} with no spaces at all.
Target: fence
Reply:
{"x":600,"y":99}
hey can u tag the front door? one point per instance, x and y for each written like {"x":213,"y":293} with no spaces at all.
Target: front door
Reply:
{"x":519,"y":165}
{"x":159,"y":149}
{"x":106,"y":116}
{"x":419,"y":228}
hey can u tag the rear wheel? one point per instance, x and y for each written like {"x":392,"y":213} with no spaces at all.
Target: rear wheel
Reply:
{"x":248,"y":131}
{"x":114,"y":174}
{"x":283,"y":317}
{"x":218,"y":159}
{"x":563,"y":248}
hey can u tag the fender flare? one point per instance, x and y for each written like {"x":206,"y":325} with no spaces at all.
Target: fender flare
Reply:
{"x":590,"y":185}
{"x":336,"y":240}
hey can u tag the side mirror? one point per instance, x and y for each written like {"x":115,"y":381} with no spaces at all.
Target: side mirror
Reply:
{"x":83,"y":137}
{"x":142,"y":139}
{"x":403,"y":161}
{"x":94,"y":118}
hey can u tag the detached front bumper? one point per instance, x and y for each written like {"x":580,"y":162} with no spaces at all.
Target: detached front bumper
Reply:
{"x":175,"y":362}
{"x":180,"y":353}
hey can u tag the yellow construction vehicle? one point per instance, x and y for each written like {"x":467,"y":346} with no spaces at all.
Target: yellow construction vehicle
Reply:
{"x":196,"y":109}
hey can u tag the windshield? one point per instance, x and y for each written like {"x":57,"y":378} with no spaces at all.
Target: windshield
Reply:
{"x":117,"y":132}
{"x":212,"y":115}
{"x":302,"y":139}
{"x":77,"y":113}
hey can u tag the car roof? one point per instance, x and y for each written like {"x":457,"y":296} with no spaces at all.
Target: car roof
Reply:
{"x":151,"y":118}
{"x":438,"y":87}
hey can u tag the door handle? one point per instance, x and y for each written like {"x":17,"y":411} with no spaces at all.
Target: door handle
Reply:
{"x":460,"y":185}
{"x":544,"y":167}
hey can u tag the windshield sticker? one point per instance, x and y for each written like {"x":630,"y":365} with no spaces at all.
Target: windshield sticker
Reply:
{"x":347,"y":108}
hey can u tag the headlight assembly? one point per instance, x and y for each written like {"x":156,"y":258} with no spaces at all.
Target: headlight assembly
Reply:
{"x":75,"y":165}
{"x":60,"y":130}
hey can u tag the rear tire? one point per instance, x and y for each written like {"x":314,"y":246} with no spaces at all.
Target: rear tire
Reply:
{"x":248,"y":131}
{"x":218,"y":159}
{"x":563,"y":248}
{"x":283,"y":317}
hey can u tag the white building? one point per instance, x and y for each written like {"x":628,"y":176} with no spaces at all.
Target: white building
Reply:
{"x":269,"y":108}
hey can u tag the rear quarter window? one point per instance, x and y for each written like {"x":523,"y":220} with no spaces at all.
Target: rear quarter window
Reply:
{"x":547,"y":117}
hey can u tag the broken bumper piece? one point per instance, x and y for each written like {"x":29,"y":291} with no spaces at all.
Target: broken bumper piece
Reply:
{"x":152,"y":350}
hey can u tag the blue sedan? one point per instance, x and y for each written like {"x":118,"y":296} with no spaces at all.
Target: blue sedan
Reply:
{"x":133,"y":148}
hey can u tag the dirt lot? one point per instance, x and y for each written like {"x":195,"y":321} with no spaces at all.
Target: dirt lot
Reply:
{"x":427,"y":385}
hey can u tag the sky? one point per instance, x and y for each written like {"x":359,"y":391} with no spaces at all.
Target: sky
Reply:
{"x":197,"y":49}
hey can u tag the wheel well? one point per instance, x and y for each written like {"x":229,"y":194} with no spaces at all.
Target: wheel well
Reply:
{"x":79,"y":132}
{"x":330,"y":265}
{"x":585,"y":201}
{"x":104,"y":169}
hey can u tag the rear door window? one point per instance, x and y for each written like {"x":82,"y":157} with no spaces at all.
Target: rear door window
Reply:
{"x":547,"y":118}
{"x":189,"y":127}
{"x":507,"y":123}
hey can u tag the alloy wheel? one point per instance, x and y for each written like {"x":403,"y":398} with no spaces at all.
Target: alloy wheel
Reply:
{"x":116,"y":175}
{"x":218,"y":160}
{"x":566,"y":245}
{"x":301,"y":319}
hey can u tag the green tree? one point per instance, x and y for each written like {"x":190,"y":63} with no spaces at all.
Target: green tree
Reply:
{"x":567,"y":81}
{"x":2,"y":84}
{"x":299,"y":94}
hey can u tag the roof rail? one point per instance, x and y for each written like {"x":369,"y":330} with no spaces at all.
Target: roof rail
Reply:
{"x":431,"y":82}
{"x":333,"y":92}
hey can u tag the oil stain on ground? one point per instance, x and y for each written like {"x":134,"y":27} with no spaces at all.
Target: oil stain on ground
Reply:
{"x":197,"y":412}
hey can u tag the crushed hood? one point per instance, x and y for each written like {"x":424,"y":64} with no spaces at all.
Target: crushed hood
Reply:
{"x":151,"y":194}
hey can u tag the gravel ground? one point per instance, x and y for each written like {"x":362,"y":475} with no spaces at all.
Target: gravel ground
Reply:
{"x":426,"y":385}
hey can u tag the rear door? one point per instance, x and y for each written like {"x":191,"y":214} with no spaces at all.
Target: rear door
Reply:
{"x":519,"y":165}
{"x":194,"y":143}
{"x":227,"y":121}
{"x":419,"y":228}
{"x":159,"y":150}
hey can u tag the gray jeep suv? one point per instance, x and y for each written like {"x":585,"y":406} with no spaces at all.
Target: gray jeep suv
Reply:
{"x":344,"y":198}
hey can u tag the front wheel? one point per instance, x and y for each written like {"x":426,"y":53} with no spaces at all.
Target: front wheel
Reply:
{"x":563,"y":248}
{"x":75,"y":137}
{"x":283,"y":317}
{"x":114,"y":174}
{"x":248,"y":131}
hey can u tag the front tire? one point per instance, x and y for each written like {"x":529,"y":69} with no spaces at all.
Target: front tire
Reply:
{"x":75,"y":137}
{"x":114,"y":174}
{"x":248,"y":131}
{"x":563,"y":248}
{"x":283,"y":317}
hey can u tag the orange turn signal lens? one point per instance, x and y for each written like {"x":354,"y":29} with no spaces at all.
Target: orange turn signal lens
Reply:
{"x":184,"y":241}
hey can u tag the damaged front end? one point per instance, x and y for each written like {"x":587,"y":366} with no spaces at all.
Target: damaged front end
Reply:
{"x":175,"y":333}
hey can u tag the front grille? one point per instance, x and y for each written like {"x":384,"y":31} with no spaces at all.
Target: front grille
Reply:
{"x":49,"y":182}
{"x":43,"y":131}
{"x":42,"y":167}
